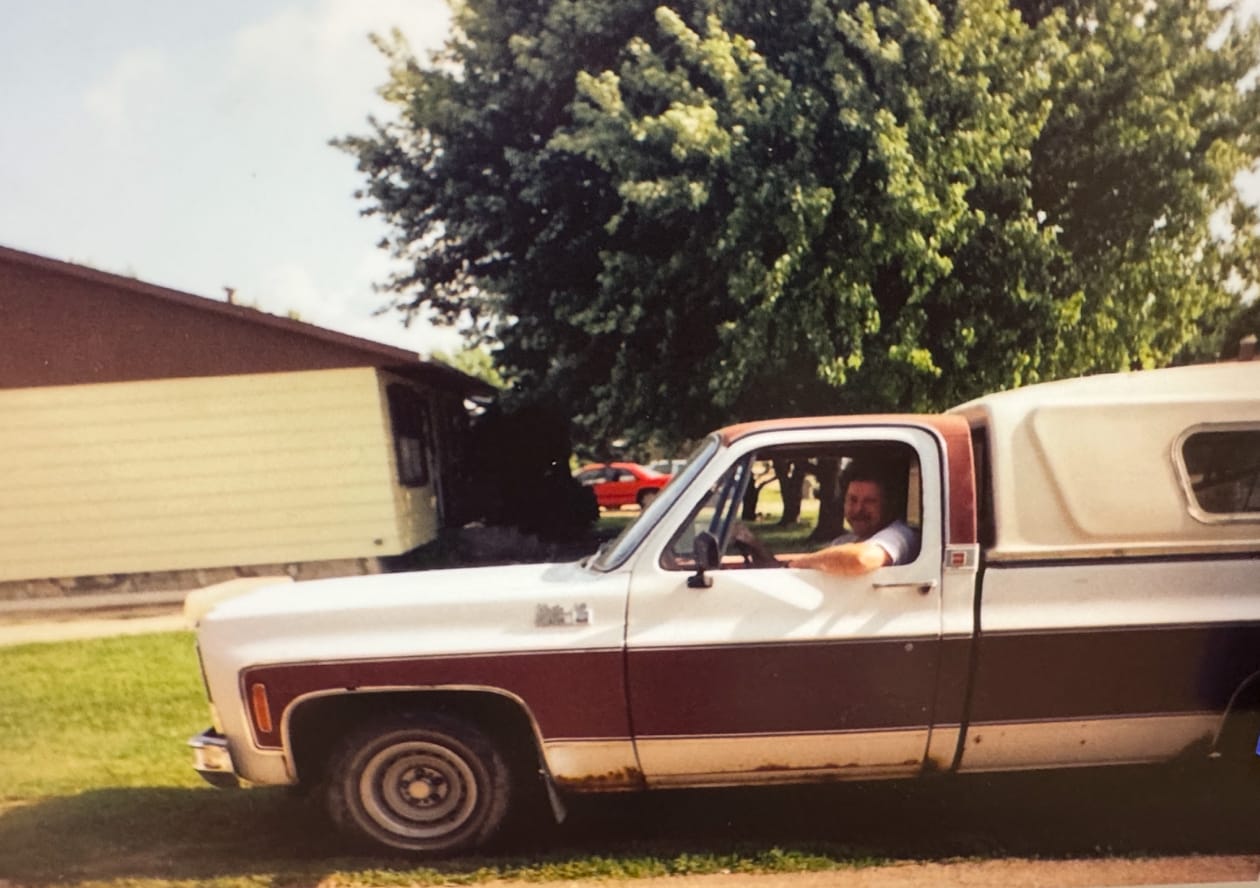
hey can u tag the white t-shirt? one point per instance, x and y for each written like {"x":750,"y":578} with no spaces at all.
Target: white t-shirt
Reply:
{"x":899,"y":540}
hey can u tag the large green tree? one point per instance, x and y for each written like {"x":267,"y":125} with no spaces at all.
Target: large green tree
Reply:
{"x":1155,"y":113}
{"x":672,"y":216}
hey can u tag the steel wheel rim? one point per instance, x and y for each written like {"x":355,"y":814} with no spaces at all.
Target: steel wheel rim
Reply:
{"x":418,"y":789}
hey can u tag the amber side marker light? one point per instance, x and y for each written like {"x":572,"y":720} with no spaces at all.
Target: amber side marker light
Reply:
{"x":261,"y":707}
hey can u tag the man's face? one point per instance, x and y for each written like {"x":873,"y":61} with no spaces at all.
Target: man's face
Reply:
{"x":864,"y":508}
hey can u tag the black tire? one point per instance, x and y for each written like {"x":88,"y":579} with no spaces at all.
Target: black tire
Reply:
{"x":431,"y":785}
{"x":646,"y":496}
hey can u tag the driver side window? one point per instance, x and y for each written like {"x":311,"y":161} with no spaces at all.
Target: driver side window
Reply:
{"x":717,"y":516}
{"x":790,"y":499}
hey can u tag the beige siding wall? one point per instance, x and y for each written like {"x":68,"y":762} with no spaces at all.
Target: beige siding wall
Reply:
{"x":187,"y":473}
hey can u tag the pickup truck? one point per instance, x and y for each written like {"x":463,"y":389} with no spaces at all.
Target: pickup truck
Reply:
{"x":1085,"y":592}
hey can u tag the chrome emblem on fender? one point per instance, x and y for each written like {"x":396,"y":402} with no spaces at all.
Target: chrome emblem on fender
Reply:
{"x":559,"y":615}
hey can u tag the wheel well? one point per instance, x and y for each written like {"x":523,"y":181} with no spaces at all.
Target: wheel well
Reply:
{"x":317,"y":725}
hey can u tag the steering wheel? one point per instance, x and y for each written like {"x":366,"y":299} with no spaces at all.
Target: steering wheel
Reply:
{"x":745,"y":552}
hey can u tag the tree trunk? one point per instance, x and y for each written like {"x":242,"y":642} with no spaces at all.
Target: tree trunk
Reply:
{"x":830,"y":502}
{"x":791,"y":476}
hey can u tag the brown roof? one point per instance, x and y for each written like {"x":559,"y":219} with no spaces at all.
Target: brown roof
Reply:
{"x":65,"y":324}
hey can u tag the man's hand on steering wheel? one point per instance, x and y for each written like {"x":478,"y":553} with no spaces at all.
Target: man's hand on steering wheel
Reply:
{"x":752,"y":549}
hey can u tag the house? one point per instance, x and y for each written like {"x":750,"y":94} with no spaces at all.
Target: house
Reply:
{"x":154,"y":439}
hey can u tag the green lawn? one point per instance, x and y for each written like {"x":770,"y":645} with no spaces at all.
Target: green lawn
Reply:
{"x":98,"y":714}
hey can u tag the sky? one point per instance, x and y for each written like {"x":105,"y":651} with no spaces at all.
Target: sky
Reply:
{"x":186,"y":144}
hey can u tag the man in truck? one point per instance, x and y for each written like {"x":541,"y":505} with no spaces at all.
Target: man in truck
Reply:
{"x":877,"y":537}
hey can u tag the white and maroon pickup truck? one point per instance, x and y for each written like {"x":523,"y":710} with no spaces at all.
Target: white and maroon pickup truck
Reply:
{"x":1086,"y":591}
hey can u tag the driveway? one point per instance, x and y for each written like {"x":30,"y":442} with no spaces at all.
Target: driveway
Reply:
{"x":1219,"y":872}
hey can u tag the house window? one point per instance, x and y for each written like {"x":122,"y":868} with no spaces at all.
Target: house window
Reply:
{"x":409,"y":415}
{"x":1221,"y":472}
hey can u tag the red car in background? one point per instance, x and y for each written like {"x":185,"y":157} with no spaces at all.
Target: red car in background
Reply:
{"x":622,"y":483}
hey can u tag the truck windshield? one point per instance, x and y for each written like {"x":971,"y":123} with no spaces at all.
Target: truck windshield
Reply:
{"x":613,"y":554}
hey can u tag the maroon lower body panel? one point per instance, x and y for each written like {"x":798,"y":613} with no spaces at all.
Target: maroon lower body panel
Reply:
{"x":569,"y":693}
{"x":1102,"y":673}
{"x":801,"y":687}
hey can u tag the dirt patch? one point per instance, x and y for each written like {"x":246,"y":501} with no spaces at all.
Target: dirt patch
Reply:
{"x":51,"y":629}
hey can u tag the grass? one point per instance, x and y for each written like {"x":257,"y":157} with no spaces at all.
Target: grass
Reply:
{"x":95,"y":714}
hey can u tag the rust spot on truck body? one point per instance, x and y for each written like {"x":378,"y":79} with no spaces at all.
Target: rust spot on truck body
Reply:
{"x":610,"y":781}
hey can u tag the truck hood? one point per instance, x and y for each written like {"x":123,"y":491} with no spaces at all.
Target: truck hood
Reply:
{"x":519,"y":607}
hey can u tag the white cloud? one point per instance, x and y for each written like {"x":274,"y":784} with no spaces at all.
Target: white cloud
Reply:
{"x":1249,"y":180}
{"x":135,"y":82}
{"x":290,"y":288}
{"x":324,"y":46}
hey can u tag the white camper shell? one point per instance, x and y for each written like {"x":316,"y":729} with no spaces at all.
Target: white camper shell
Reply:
{"x":1162,"y":462}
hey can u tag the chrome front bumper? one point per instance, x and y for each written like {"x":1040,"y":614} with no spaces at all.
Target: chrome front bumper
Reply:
{"x":213,"y":760}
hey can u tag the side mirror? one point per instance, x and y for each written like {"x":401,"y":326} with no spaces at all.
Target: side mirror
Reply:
{"x":705,"y":552}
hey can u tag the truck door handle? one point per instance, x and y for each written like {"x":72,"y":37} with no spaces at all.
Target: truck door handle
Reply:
{"x":923,"y":586}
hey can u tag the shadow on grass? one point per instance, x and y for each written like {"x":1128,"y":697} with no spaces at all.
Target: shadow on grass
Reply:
{"x":160,"y":833}
{"x":1081,"y":813}
{"x":278,"y":836}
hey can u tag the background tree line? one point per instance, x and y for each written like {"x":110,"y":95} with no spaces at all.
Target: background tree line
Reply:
{"x":667,"y":217}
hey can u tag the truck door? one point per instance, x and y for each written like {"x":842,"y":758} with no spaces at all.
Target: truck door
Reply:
{"x":776,"y":673}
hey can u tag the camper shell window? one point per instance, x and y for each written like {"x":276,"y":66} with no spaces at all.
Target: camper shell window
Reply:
{"x":1220,"y":469}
